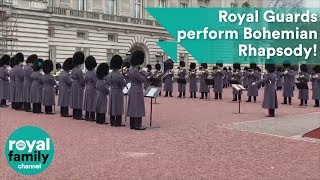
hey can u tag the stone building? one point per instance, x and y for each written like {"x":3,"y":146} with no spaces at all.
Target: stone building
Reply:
{"x":102,"y":28}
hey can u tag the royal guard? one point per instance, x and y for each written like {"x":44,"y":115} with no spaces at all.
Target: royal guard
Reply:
{"x":279,"y":78}
{"x":253,"y":76}
{"x":236,"y":79}
{"x":101,"y":101}
{"x":4,"y":80}
{"x":157,"y":77}
{"x":11,"y":83}
{"x":78,"y":85}
{"x":116,"y":82}
{"x":304,"y":78}
{"x":229,"y":75}
{"x":203,"y":75}
{"x":218,"y":76}
{"x":90,"y":94}
{"x":168,"y":80}
{"x":56,"y":75}
{"x":148,"y":76}
{"x":225,"y":77}
{"x":136,"y":92}
{"x":193,"y":86}
{"x":315,"y":79}
{"x":36,"y":86}
{"x":245,"y":77}
{"x":288,"y":85}
{"x":49,"y":83}
{"x":125,"y":71}
{"x":18,"y":77}
{"x":270,"y":100}
{"x":27,"y":81}
{"x":65,"y":82}
{"x":182,"y":72}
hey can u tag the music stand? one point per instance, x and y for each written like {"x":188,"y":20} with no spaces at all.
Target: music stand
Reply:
{"x":152,"y":92}
{"x":302,"y":85}
{"x":125,"y":91}
{"x":239,"y":88}
{"x":209,"y":82}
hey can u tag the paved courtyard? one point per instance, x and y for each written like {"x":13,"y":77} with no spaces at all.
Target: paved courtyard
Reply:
{"x":197,"y":139}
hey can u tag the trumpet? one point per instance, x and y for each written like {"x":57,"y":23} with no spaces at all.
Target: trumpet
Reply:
{"x":125,"y":71}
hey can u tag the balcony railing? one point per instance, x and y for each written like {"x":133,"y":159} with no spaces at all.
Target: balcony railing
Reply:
{"x":103,"y":17}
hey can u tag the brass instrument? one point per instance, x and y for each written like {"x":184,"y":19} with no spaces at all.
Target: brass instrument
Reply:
{"x":158,"y":74}
{"x":125,"y":71}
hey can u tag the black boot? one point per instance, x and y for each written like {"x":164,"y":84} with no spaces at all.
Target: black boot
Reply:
{"x":13,"y":105}
{"x":290,"y":100}
{"x":167,"y":93}
{"x":285,"y":100}
{"x":317,"y":104}
{"x":19,"y":106}
{"x":194,"y":94}
{"x":112,"y":120}
{"x":3,"y":103}
{"x":87,"y":116}
{"x":36,"y":108}
{"x":191,"y":94}
{"x":48,"y":110}
{"x":170,"y":93}
{"x":249,"y":99}
{"x":77,"y":114}
{"x":132,"y":123}
{"x":180,"y":95}
{"x":184,"y":94}
{"x":216,"y":95}
{"x":301,"y":102}
{"x":220,"y":95}
{"x":206,"y":94}
{"x":306,"y":102}
{"x":254,"y":99}
{"x":202,"y":96}
{"x":138,"y":124}
{"x":119,"y":121}
{"x":27,"y":107}
{"x":235,"y":97}
{"x":92,"y":116}
{"x":64,"y":111}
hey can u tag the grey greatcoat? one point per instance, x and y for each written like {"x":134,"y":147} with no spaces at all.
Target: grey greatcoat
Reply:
{"x":11,"y":85}
{"x":65,"y":83}
{"x":90,"y":92}
{"x":316,"y":87}
{"x":168,"y":81}
{"x":147,"y":82}
{"x":253,"y":89}
{"x":193,"y":86}
{"x":4,"y":83}
{"x":279,"y":79}
{"x":101,"y":101}
{"x":203,"y":86}
{"x":36,"y":87}
{"x":77,"y":88}
{"x":157,"y":75}
{"x":116,"y":82}
{"x":225,"y":78}
{"x":270,"y":100}
{"x":304,"y":93}
{"x":27,"y":83}
{"x":245,"y":78}
{"x":236,"y":77}
{"x":218,"y":81}
{"x":18,"y":83}
{"x":48,"y":97}
{"x":288,"y":83}
{"x":136,"y":107}
{"x":182,"y":75}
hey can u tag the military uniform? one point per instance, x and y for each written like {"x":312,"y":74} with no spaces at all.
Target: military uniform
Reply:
{"x":148,"y":77}
{"x":27,"y":86}
{"x":315,"y":79}
{"x":203,"y":75}
{"x":253,"y":89}
{"x":36,"y":86}
{"x":157,"y":77}
{"x":193,"y":86}
{"x":168,"y":81}
{"x":90,"y":79}
{"x":18,"y":84}
{"x":4,"y":80}
{"x":218,"y":77}
{"x":101,"y":102}
{"x":304,"y":78}
{"x":64,"y":100}
{"x":49,"y":83}
{"x":288,"y":85}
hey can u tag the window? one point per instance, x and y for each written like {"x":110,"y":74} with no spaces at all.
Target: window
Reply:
{"x":82,"y":5}
{"x":183,"y":4}
{"x":82,"y":35}
{"x":51,"y":32}
{"x":112,"y":7}
{"x":137,"y":8}
{"x":112,"y":38}
{"x":163,"y":3}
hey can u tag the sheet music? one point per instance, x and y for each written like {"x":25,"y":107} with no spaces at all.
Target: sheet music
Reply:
{"x":126,"y":89}
{"x":152,"y":92}
{"x":241,"y":87}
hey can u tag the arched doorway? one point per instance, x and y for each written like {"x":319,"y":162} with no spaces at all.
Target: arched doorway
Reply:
{"x":141,"y":47}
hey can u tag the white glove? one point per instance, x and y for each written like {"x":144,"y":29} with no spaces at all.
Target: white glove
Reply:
{"x":253,"y":84}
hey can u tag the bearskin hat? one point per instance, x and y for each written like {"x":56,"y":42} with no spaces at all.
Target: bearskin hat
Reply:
{"x":37,"y":65}
{"x":19,"y":58}
{"x":271,"y":68}
{"x":280,"y":69}
{"x":78,"y":58}
{"x":229,"y":68}
{"x":126,"y":64}
{"x":31,"y":59}
{"x":225,"y":68}
{"x":246,"y":68}
{"x":303,"y":68}
{"x":137,"y":58}
{"x":286,"y":64}
{"x":149,"y":67}
{"x":102,"y":71}
{"x":204,"y":65}
{"x":193,"y":65}
{"x":5,"y":60}
{"x":215,"y":67}
{"x":47,"y":66}
{"x":219,"y":64}
{"x":253,"y":65}
{"x":67,"y":64}
{"x":116,"y":62}
{"x":12,"y":62}
{"x":90,"y":63}
{"x":170,"y":65}
{"x":58,"y":66}
{"x":158,"y":67}
{"x":316,"y":69}
{"x":236,"y":66}
{"x":182,"y":64}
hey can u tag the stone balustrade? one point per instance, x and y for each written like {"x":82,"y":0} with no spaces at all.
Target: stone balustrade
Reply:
{"x":102,"y":17}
